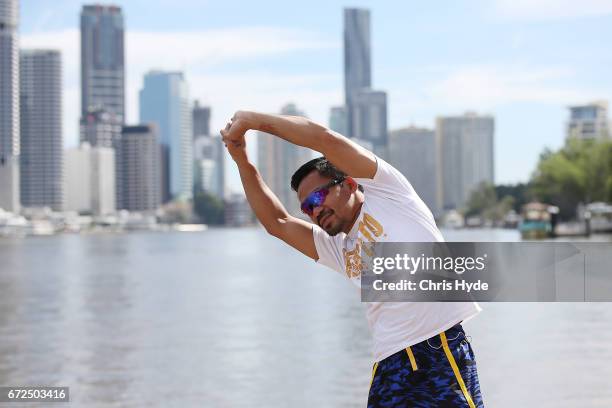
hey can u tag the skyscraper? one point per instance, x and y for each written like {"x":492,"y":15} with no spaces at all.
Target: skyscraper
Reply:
{"x":357,"y":60}
{"x":338,"y":120}
{"x":412,"y":151}
{"x":100,"y":128}
{"x":277,"y":161}
{"x":366,"y":108}
{"x":102,"y":60}
{"x":9,"y":106}
{"x":41,"y":161}
{"x":140,"y":150}
{"x":209,"y":161}
{"x":164,"y":100}
{"x":90,"y":179}
{"x":465,"y":154}
{"x":588,"y":121}
{"x":201,"y":120}
{"x":369,"y":117}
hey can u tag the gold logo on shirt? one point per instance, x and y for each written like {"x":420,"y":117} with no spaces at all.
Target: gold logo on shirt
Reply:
{"x":352,"y":260}
{"x":370,"y":229}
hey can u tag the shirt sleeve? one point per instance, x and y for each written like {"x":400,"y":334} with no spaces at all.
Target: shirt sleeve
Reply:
{"x":329,"y":249}
{"x":388,"y":181}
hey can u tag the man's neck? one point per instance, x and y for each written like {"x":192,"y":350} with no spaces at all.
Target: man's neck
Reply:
{"x":360,"y":200}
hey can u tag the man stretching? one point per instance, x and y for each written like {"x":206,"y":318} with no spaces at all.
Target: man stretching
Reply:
{"x":422,"y":356}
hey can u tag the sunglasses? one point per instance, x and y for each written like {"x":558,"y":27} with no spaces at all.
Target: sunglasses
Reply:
{"x":317,"y":197}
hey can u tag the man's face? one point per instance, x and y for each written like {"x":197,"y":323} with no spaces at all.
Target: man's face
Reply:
{"x":334,"y":214}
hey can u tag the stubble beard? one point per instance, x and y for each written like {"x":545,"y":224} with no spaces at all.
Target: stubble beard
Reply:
{"x":334,"y":230}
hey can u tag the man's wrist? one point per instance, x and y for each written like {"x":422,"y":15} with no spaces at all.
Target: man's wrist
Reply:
{"x":251,"y":119}
{"x":242,"y":160}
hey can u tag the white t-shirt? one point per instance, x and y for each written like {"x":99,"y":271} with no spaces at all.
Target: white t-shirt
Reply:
{"x":392,"y":212}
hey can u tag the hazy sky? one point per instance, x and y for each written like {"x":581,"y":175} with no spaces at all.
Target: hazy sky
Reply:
{"x":524,"y":61}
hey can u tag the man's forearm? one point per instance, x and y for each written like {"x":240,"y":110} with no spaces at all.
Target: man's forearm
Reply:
{"x":267,"y":207}
{"x":294,"y":129}
{"x":344,"y":153}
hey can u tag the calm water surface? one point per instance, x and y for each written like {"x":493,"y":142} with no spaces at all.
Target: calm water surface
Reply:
{"x":234,"y":318}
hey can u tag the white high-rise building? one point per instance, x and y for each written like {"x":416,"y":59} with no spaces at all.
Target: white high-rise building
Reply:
{"x":413,"y":152}
{"x":90,"y":179}
{"x":101,"y":128}
{"x":370,"y":118}
{"x":164,"y":100}
{"x":338,"y":120}
{"x":209,"y":162}
{"x":42,"y":150}
{"x":277,"y":160}
{"x":465,"y":157}
{"x":9,"y":106}
{"x":588,"y":122}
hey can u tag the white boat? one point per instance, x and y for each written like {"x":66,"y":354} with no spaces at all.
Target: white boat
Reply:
{"x":453,"y":219}
{"x":190,"y":227}
{"x":41,"y":227}
{"x":601,"y":217}
{"x":12,"y":224}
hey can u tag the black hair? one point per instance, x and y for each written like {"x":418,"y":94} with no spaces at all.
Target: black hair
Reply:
{"x":321,"y":165}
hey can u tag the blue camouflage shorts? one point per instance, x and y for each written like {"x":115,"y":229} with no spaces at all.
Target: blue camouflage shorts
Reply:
{"x":438,"y":372}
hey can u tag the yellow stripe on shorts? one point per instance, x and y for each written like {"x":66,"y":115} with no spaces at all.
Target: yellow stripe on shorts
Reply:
{"x":412,"y":360}
{"x":453,"y":364}
{"x":373,"y":373}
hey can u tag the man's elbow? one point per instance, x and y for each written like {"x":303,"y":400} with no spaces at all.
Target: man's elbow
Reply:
{"x":275,"y":228}
{"x":319,"y":136}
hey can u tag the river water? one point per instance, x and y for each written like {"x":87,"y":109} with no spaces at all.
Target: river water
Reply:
{"x":235,"y":318}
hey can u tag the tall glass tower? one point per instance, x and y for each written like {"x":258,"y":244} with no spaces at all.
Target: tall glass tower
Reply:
{"x":164,"y":100}
{"x":102,"y":60}
{"x":357,"y":58}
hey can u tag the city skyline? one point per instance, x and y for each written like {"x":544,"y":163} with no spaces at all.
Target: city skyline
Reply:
{"x":526,"y":71}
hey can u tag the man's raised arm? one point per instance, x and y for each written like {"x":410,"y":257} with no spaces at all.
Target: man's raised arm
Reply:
{"x":267,"y":207}
{"x":345,"y":154}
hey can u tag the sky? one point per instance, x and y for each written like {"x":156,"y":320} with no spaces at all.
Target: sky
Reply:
{"x":522,"y":61}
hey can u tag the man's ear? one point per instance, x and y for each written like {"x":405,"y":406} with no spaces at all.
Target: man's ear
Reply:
{"x":351,"y":183}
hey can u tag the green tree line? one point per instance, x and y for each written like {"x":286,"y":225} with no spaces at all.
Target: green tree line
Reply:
{"x":579,"y":172}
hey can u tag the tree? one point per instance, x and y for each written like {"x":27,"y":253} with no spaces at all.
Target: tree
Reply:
{"x":481,"y":199}
{"x":519,"y":192}
{"x":581,"y":172}
{"x":209,"y":208}
{"x":483,"y":202}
